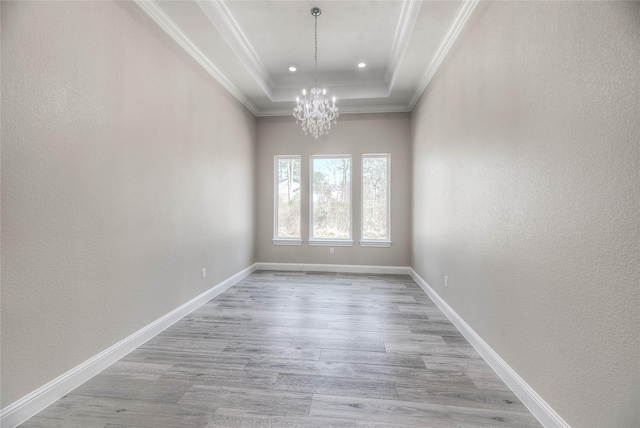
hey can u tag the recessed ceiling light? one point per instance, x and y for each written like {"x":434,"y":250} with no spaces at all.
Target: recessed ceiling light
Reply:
{"x":292,"y":69}
{"x":362,"y":65}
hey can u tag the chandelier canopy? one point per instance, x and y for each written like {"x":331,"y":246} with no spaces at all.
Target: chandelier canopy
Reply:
{"x":314,"y":111}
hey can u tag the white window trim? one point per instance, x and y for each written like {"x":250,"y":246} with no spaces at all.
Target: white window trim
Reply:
{"x":330,"y":243}
{"x":375,"y":242}
{"x":287,"y":241}
{"x":346,"y":242}
{"x":276,"y":239}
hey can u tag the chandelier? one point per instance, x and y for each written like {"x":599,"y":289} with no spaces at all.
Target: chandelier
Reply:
{"x":314,"y":111}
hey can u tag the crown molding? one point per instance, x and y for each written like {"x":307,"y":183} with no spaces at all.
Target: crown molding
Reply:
{"x":342,"y":91}
{"x":221,"y":18}
{"x":383,"y":108}
{"x":461,"y":18}
{"x":406,"y":23}
{"x":160,"y":18}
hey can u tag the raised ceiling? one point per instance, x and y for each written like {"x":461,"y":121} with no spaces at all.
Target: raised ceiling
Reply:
{"x":248,"y":46}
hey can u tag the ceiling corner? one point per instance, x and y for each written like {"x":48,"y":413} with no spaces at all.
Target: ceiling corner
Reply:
{"x":408,"y":18}
{"x":221,"y":18}
{"x":458,"y":23}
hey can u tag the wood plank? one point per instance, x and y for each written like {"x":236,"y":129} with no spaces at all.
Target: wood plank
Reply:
{"x":135,"y":370}
{"x":385,"y":327}
{"x":252,"y":349}
{"x":177,"y":344}
{"x":286,"y":365}
{"x":466,"y":417}
{"x":379,"y":410}
{"x":336,"y":386}
{"x":324,"y":343}
{"x":487,"y":380}
{"x":42,"y":422}
{"x":221,"y":360}
{"x":441,"y":362}
{"x":412,"y":376}
{"x":375,"y":424}
{"x":259,"y":421}
{"x":60,"y":410}
{"x":135,"y":413}
{"x":208,"y":398}
{"x":426,"y":348}
{"x":132,"y":388}
{"x":461,"y":397}
{"x":205,"y":375}
{"x":376,"y":358}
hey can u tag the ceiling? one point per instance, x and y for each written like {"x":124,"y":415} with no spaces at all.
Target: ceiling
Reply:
{"x":248,"y":46}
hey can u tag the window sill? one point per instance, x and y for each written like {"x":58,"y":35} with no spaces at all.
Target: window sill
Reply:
{"x":330,"y":243}
{"x":287,"y":241}
{"x":380,"y":244}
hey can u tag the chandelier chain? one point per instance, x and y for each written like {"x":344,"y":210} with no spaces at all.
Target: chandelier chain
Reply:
{"x":315,"y":74}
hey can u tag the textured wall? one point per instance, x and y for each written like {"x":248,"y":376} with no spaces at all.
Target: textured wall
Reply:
{"x":526,"y":190}
{"x":354,"y":134}
{"x":125,"y":170}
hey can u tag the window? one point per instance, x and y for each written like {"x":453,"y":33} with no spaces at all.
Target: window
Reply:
{"x":375,"y":200}
{"x":330,"y":222}
{"x":287,"y":201}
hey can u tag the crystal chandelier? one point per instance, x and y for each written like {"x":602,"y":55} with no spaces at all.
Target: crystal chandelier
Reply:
{"x":314,"y":112}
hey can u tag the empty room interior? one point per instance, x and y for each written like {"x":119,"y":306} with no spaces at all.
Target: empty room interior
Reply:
{"x":405,"y":213}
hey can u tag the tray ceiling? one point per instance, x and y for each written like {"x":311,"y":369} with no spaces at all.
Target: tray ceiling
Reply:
{"x":248,"y":46}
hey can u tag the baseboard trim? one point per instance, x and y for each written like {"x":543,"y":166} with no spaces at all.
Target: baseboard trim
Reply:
{"x":23,"y":409}
{"x":538,"y":407}
{"x":28,"y":406}
{"x":311,"y":267}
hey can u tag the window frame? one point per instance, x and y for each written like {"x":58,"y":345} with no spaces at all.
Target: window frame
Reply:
{"x":375,"y":242}
{"x":333,"y":242}
{"x":276,"y":239}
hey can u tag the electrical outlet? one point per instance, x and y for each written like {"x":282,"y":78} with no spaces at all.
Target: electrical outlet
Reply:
{"x":204,"y":272}
{"x":446,"y":281}
{"x":331,"y":250}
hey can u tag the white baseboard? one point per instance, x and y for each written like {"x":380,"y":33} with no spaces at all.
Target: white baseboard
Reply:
{"x":310,"y":267}
{"x":538,"y":407}
{"x":31,"y":404}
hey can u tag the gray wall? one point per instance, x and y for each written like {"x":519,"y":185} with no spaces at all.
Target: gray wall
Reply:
{"x":125,"y":170}
{"x":526,"y":187}
{"x":355,"y":134}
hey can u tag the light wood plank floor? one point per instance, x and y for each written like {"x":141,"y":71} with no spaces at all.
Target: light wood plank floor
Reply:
{"x":282,"y":349}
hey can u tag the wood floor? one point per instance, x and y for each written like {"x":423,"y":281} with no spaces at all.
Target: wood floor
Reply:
{"x":282,"y":349}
